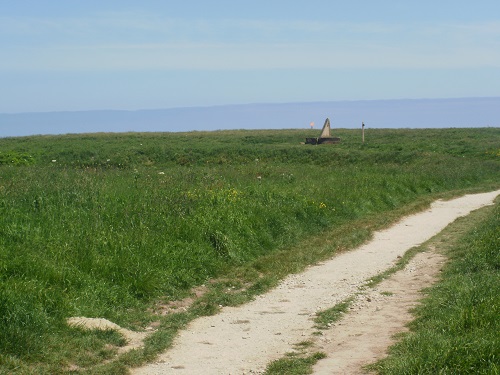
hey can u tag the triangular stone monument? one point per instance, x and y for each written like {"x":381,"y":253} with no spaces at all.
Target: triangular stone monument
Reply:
{"x":325,"y":132}
{"x":325,"y":136}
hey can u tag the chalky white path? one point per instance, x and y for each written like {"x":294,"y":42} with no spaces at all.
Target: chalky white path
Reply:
{"x":244,"y":339}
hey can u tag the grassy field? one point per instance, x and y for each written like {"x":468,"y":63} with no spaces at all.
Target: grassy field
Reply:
{"x":109,"y":225}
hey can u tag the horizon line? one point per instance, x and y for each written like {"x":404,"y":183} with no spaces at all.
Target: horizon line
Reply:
{"x":245,"y":104}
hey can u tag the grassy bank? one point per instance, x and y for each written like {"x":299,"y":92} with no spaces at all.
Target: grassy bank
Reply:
{"x":107,"y":225}
{"x":456,"y":329}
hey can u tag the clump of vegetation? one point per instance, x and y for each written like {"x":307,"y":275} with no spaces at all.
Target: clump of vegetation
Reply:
{"x":298,"y":362}
{"x":16,"y":158}
{"x":106,"y":225}
{"x":456,"y":329}
{"x":294,"y":365}
{"x":324,"y":319}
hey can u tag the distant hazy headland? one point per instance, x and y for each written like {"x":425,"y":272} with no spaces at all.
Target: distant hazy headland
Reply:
{"x":406,"y":113}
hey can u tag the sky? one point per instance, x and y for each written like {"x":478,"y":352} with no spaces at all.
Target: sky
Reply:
{"x":68,"y":55}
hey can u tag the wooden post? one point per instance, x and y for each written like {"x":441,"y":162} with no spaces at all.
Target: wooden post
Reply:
{"x":363,"y":131}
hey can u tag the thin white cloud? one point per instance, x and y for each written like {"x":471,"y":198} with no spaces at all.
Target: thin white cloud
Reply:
{"x":236,"y":56}
{"x":150,"y":25}
{"x":145,"y":41}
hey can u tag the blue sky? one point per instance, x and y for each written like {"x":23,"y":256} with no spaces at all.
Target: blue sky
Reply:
{"x":63,"y":55}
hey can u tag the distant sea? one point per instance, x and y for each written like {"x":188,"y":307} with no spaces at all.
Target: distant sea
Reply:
{"x":403,"y":113}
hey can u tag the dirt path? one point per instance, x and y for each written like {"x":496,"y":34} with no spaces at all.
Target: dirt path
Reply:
{"x":244,"y":339}
{"x":364,"y":334}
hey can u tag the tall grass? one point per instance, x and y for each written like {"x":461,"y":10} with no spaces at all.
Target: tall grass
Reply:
{"x":456,"y":330}
{"x":103,"y":225}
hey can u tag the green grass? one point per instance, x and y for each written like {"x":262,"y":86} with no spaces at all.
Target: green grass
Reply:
{"x":299,"y":362}
{"x":456,"y":327}
{"x":324,"y":319}
{"x":294,"y":365}
{"x":107,"y":225}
